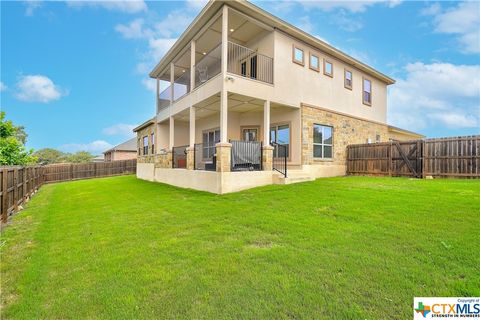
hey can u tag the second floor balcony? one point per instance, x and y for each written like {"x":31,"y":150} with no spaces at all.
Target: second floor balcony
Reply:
{"x":248,"y":54}
{"x":241,"y":61}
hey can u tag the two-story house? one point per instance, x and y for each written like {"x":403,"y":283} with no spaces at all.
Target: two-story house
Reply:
{"x":245,"y":99}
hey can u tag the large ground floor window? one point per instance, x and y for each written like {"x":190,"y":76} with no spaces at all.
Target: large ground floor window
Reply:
{"x":281,"y":134}
{"x":209,"y":139}
{"x":322,"y":141}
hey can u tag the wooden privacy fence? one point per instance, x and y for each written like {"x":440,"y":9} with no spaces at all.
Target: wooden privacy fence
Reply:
{"x":17,"y":184}
{"x":75,"y":171}
{"x":456,"y":157}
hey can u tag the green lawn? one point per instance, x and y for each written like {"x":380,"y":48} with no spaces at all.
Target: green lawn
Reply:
{"x":337,"y":248}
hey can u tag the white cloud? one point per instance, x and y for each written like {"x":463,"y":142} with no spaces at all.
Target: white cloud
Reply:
{"x":134,"y":30}
{"x":173,"y":24}
{"x":346,"y":22}
{"x":38,"y":88}
{"x":349,"y":5}
{"x":96,"y":146}
{"x":127,"y":6}
{"x":436,"y":95}
{"x":150,"y":84}
{"x":31,"y":6}
{"x":455,"y":120}
{"x":3,"y":87}
{"x":158,"y":47}
{"x":120,"y":129}
{"x":462,"y":21}
{"x":197,"y":4}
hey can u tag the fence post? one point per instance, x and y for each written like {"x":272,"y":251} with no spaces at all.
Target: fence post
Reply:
{"x":95,"y":169}
{"x":422,"y":143}
{"x":15,"y":189}
{"x":25,"y":183}
{"x":4,"y":203}
{"x":390,"y":159}
{"x":71,"y":171}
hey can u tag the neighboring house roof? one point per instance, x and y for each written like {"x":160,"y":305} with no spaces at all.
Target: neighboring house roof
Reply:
{"x":400,"y":130}
{"x":99,"y":158}
{"x":129,"y":145}
{"x":145,"y":124}
{"x":255,"y":12}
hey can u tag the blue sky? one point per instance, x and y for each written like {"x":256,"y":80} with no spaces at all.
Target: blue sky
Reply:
{"x":75,"y":73}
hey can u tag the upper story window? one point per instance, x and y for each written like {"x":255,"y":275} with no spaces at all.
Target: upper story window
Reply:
{"x":298,"y":56}
{"x":367,"y":92}
{"x":145,"y":145}
{"x":314,"y":62}
{"x":322,"y":141}
{"x":327,"y":68}
{"x":348,"y":79}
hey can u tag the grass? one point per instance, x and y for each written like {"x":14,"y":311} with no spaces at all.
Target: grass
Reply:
{"x":336,"y":248}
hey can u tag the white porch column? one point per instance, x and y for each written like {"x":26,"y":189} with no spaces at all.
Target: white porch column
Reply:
{"x":192,"y":126}
{"x":171,"y":141}
{"x":192,"y":65}
{"x":266,"y":123}
{"x":223,"y":93}
{"x":172,"y":79}
{"x":158,"y":93}
{"x":223,"y":116}
{"x":224,"y":39}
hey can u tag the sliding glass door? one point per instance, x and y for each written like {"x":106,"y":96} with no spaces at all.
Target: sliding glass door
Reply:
{"x":280,"y":134}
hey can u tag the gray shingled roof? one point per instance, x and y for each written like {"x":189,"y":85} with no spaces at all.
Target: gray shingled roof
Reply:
{"x":129,"y":145}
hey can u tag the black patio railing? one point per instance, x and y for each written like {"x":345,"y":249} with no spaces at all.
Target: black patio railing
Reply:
{"x":280,"y":155}
{"x":179,"y":155}
{"x":202,"y":160}
{"x":246,"y":155}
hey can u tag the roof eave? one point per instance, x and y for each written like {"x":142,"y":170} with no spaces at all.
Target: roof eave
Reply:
{"x":213,"y":6}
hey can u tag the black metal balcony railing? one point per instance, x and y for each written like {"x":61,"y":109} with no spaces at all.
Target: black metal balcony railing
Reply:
{"x":201,"y":159}
{"x":249,"y":63}
{"x":280,"y":157}
{"x":179,"y":155}
{"x":246,"y":155}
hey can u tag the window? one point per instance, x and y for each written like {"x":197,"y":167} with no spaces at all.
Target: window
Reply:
{"x":377,"y":138}
{"x":298,"y":56}
{"x":145,"y":145}
{"x":322,"y":141}
{"x":249,"y":134}
{"x":367,"y":92}
{"x":210,"y":139}
{"x":139,"y":149}
{"x":153,"y":142}
{"x":327,"y":68}
{"x":348,"y":79}
{"x":280,"y":134}
{"x":314,"y":62}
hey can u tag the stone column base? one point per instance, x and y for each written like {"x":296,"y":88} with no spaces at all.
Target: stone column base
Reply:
{"x":267,"y":158}
{"x":224,"y":154}
{"x":191,"y":158}
{"x":163,"y":160}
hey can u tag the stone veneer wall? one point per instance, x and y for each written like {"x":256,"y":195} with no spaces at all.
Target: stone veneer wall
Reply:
{"x":147,"y":131}
{"x":346,"y":130}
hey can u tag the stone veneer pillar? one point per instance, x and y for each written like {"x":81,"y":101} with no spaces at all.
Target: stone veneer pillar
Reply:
{"x":267,"y":158}
{"x":191,"y":158}
{"x":224,"y":154}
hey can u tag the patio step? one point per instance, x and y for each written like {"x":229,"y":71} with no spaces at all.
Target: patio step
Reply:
{"x":293,"y":176}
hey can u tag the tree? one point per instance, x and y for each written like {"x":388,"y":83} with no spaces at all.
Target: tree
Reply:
{"x":12,"y":140}
{"x":80,"y":156}
{"x":49,"y":155}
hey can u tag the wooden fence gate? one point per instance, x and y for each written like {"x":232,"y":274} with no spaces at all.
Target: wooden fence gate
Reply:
{"x":442,"y":157}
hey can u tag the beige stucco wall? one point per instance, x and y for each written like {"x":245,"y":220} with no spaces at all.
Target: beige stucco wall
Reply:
{"x":346,"y":130}
{"x":402,"y":136}
{"x":123,"y":155}
{"x":296,"y":84}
